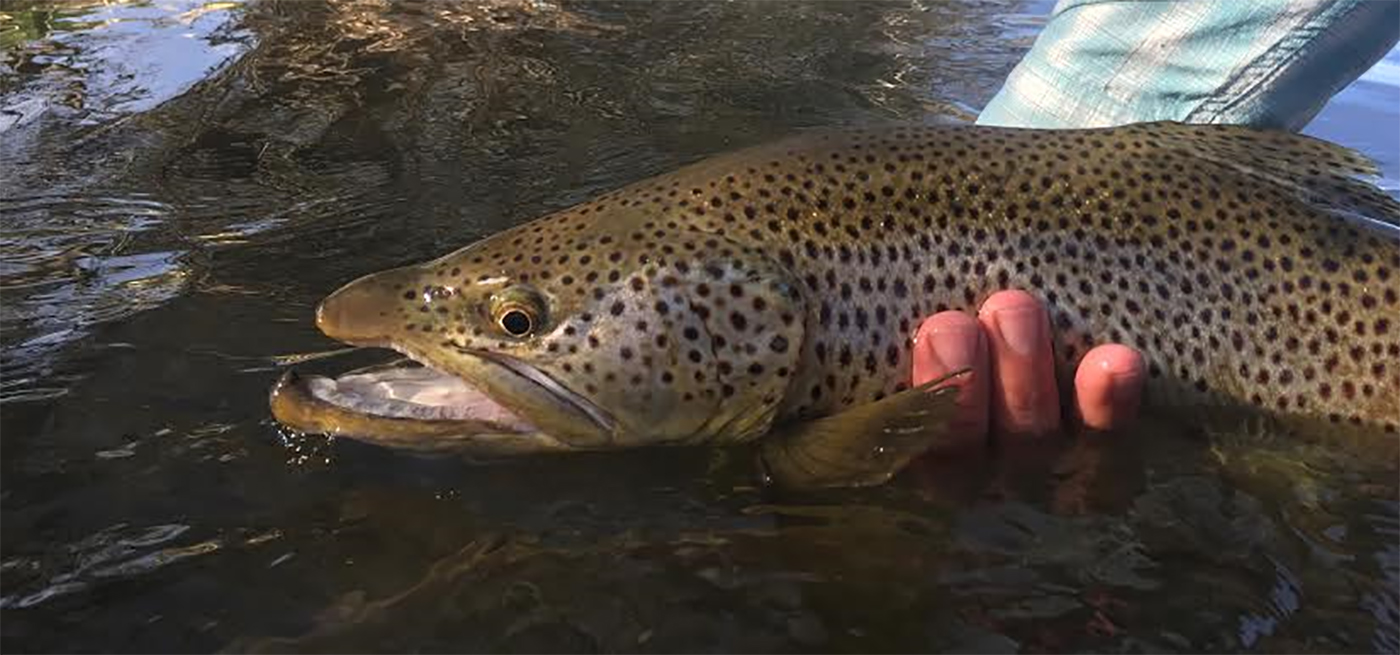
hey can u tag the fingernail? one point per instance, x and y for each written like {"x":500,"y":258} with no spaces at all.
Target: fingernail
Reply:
{"x":955,"y":346}
{"x":1124,"y":388}
{"x":1020,"y":329}
{"x":1124,"y":371}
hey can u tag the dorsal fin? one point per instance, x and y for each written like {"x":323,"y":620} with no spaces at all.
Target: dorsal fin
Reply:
{"x":1326,"y":175}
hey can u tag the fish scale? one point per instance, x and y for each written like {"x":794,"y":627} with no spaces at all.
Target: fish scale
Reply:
{"x":1234,"y":285}
{"x":784,"y":283}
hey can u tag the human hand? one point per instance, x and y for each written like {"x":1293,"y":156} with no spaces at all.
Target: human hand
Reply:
{"x":1012,"y":389}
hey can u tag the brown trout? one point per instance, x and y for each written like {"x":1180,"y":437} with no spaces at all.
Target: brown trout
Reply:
{"x":776,"y":290}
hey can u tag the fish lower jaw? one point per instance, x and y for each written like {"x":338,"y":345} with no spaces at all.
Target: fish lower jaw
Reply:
{"x":558,"y":393}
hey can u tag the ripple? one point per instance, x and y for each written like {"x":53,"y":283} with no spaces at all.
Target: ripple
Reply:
{"x":118,"y":552}
{"x":103,"y":61}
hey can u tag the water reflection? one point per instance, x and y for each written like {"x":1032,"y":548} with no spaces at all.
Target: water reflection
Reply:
{"x":180,"y":182}
{"x":104,"y":60}
{"x":69,"y":264}
{"x":77,"y":252}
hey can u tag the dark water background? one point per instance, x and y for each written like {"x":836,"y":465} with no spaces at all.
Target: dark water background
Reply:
{"x":181,"y":181}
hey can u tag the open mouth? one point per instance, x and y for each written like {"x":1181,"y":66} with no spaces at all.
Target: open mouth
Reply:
{"x":408,"y":404}
{"x":411,"y":391}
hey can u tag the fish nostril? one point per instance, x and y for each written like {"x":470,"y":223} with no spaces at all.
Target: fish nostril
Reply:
{"x":439,"y":292}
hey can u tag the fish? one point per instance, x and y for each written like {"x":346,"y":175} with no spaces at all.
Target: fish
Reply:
{"x":771,"y":295}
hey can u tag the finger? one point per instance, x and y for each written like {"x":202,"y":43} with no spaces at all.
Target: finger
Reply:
{"x":1024,"y":398}
{"x":1108,"y":386}
{"x":948,"y":342}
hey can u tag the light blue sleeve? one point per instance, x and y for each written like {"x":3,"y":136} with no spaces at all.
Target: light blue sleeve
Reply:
{"x":1268,"y":63}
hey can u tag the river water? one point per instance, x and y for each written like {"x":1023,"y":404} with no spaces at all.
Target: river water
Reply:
{"x":181,"y":181}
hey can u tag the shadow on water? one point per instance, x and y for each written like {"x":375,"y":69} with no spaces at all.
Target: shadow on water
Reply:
{"x":181,"y":181}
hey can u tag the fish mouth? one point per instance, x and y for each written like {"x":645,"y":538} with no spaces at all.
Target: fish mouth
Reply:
{"x":496,"y":405}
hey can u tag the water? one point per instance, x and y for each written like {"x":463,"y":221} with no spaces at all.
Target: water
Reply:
{"x":181,"y":181}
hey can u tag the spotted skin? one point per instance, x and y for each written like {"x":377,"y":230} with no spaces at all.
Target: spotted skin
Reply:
{"x":786,"y":281}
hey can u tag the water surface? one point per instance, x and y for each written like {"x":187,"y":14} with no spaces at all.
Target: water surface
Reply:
{"x":181,"y":181}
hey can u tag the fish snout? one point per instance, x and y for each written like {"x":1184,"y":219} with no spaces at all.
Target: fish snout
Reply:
{"x":365,"y":312}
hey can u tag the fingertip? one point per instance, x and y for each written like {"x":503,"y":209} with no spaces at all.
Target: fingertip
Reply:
{"x":1118,"y":360}
{"x":1010,"y":299}
{"x":944,"y":321}
{"x":946,"y":342}
{"x":1108,"y":386}
{"x":1024,"y":398}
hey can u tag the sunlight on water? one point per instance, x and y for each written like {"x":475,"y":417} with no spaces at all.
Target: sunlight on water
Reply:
{"x":182,"y":181}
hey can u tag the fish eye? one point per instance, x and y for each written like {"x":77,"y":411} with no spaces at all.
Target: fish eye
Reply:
{"x":516,"y":321}
{"x":518,"y":311}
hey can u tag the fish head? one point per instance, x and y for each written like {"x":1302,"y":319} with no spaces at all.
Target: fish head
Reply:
{"x":588,"y":334}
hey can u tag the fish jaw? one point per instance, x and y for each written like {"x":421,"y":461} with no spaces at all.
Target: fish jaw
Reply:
{"x":520,"y":411}
{"x":305,"y":403}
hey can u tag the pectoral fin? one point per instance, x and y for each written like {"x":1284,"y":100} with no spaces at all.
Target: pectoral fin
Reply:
{"x":862,"y":446}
